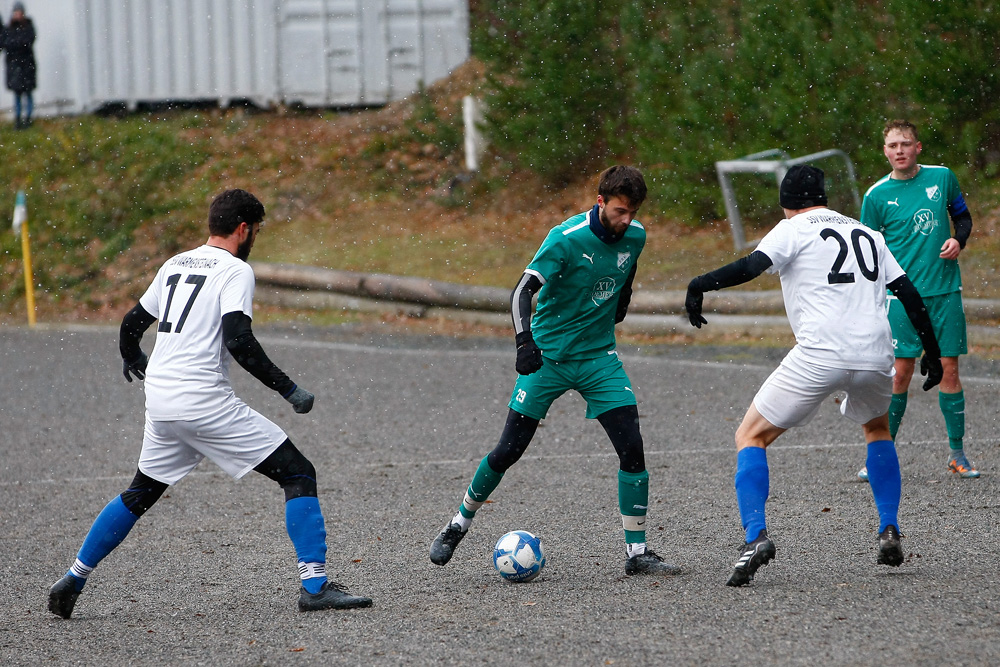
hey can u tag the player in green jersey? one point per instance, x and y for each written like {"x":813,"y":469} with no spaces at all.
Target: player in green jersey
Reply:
{"x":911,"y":206}
{"x":583,"y":275}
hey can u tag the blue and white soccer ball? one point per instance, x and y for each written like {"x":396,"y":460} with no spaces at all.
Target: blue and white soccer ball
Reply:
{"x":518,"y":556}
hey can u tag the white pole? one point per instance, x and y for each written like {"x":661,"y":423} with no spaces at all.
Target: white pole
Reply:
{"x":475,"y":143}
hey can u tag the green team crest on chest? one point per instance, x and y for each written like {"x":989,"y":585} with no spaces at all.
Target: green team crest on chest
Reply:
{"x":924,"y":220}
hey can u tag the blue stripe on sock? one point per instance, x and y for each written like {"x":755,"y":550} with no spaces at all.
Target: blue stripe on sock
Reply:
{"x":885,"y":480}
{"x":752,"y":483}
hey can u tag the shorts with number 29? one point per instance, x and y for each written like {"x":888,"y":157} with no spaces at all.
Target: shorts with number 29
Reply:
{"x":601,"y":381}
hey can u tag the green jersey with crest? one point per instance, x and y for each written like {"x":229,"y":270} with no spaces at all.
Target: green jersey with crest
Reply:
{"x":582,"y":277}
{"x":913,"y":216}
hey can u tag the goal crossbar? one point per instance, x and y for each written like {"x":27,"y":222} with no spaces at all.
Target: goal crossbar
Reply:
{"x":774,"y":161}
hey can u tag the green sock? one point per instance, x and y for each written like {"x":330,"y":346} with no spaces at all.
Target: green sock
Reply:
{"x":484,"y":482}
{"x":633,"y":501}
{"x":897,"y":406}
{"x":953,"y":409}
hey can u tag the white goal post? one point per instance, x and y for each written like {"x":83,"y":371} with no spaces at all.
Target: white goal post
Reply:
{"x":774,"y":161}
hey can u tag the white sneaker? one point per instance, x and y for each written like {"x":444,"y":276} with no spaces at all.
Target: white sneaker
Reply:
{"x":863,"y":474}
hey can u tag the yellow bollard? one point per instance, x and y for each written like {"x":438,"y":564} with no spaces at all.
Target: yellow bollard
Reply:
{"x":21,"y":226}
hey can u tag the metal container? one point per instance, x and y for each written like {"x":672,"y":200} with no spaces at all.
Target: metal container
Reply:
{"x":96,"y":53}
{"x":365,"y":52}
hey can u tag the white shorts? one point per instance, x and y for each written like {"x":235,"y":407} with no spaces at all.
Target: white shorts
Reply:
{"x":237,"y":438}
{"x":793,"y":393}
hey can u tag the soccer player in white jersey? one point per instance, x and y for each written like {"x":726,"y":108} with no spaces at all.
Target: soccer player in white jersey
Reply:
{"x":203,"y":299}
{"x":834,"y":273}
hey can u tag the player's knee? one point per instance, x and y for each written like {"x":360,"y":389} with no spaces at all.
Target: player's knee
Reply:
{"x":629,"y":447}
{"x":622,"y":426}
{"x":503,"y":456}
{"x":293,"y":472}
{"x":300,"y":486}
{"x":904,"y":374}
{"x":299,"y":478}
{"x":516,"y":436}
{"x":142,"y":493}
{"x":949,"y":372}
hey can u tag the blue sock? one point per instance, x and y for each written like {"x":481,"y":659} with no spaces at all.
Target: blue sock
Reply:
{"x":109,"y":529}
{"x":752,"y":486}
{"x":304,"y":522}
{"x":886,"y":482}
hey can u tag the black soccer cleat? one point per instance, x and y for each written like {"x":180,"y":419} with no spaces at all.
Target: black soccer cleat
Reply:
{"x":752,"y":556}
{"x":444,"y":544}
{"x":890,"y":550}
{"x":63,"y":595}
{"x":649,"y":562}
{"x":331,"y":596}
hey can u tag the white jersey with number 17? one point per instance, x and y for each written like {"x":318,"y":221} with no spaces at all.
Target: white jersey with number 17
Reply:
{"x":188,"y":372}
{"x":834,"y":272}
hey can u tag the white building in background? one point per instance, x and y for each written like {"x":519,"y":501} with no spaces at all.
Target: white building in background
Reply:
{"x":95,"y":53}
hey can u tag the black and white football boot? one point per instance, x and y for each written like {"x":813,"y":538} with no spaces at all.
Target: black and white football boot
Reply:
{"x":752,"y":556}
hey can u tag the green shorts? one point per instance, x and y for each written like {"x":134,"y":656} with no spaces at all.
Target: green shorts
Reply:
{"x":948,"y":317}
{"x":601,"y":381}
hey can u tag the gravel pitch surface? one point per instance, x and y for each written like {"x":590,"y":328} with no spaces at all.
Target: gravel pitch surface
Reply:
{"x":208,"y":575}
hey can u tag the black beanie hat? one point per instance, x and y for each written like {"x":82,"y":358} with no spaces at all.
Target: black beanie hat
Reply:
{"x":802,"y":187}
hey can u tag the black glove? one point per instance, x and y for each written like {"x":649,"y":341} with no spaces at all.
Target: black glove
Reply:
{"x":301,"y":400}
{"x":692,"y":304}
{"x":529,"y":357}
{"x":931,"y":367}
{"x":137,"y":366}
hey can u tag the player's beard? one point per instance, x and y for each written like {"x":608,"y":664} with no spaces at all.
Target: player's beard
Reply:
{"x":243,"y":249}
{"x":602,"y":214}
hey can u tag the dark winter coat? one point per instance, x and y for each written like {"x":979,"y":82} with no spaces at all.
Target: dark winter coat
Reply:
{"x":18,"y":39}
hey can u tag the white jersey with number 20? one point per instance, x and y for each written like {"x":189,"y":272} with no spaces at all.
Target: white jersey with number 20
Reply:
{"x":188,"y":372}
{"x":833,"y":273}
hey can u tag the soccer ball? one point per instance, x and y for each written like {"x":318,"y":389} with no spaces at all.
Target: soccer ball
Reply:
{"x":518,"y":556}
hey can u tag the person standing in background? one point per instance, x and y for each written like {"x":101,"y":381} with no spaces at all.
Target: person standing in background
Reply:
{"x":18,"y":41}
{"x":911,"y":207}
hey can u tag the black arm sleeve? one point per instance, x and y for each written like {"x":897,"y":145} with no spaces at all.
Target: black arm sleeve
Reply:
{"x":248,"y":353}
{"x":917,"y":312}
{"x":963,"y":227}
{"x":741,"y":271}
{"x":520,"y":302}
{"x":134,"y":324}
{"x":625,"y":296}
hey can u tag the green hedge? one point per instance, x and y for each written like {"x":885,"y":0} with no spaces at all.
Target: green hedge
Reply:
{"x":673,"y":87}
